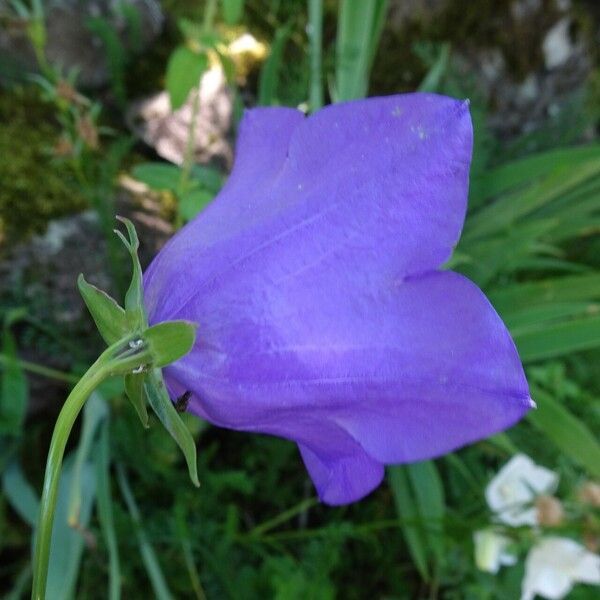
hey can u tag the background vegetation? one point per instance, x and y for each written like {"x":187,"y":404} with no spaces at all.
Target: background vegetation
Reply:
{"x":255,"y":529}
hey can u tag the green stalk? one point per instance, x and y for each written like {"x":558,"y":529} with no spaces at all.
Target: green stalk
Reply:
{"x":116,"y":359}
{"x":39,"y":369}
{"x":188,"y":157}
{"x":209,"y":16}
{"x":315,"y":37}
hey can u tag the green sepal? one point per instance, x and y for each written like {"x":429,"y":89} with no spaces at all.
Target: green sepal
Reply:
{"x":169,"y":341}
{"x":107,"y":314}
{"x":134,"y":388}
{"x":134,"y":298}
{"x":163,"y":407}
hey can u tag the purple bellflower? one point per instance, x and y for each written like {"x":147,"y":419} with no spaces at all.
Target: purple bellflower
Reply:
{"x":322,"y":315}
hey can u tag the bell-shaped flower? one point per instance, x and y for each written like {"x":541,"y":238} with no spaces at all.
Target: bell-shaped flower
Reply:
{"x":322,"y":314}
{"x":511,"y":494}
{"x":554,"y":565}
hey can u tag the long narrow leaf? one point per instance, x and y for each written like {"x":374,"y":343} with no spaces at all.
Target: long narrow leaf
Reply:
{"x":20,"y":493}
{"x":68,"y":544}
{"x":408,"y":511}
{"x":521,"y":296}
{"x":571,"y":436}
{"x":268,"y":82}
{"x":315,"y":35}
{"x":105,"y":512}
{"x":526,"y":170}
{"x":429,"y":494}
{"x":157,"y":579}
{"x":505,"y":211}
{"x":14,"y":391}
{"x":558,"y":339}
{"x":359,"y":29}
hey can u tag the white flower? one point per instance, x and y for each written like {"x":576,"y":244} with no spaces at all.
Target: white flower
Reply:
{"x":490,"y":551}
{"x":554,"y":564}
{"x":512,"y":492}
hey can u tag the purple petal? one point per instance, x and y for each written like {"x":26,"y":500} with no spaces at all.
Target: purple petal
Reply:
{"x":262,"y":147}
{"x":409,"y":371}
{"x":321,"y":317}
{"x":382,"y":180}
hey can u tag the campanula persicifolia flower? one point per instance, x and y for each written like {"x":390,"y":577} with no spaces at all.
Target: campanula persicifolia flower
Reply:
{"x":322,"y":314}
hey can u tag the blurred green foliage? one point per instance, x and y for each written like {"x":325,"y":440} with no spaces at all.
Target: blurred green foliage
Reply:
{"x":34,"y":189}
{"x":254,"y":529}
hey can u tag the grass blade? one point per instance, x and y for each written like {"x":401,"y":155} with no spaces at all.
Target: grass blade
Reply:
{"x":14,"y":391}
{"x":157,"y":579}
{"x":558,"y":339}
{"x":407,"y":510}
{"x":571,"y":436}
{"x":429,"y":494}
{"x":268,"y":82}
{"x":359,"y":30}
{"x":315,"y":38}
{"x":68,"y":544}
{"x":20,"y":493}
{"x":104,"y":507}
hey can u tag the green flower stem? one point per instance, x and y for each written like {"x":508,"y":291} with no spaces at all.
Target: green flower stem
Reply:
{"x":122,"y":357}
{"x":188,"y":157}
{"x":39,"y":369}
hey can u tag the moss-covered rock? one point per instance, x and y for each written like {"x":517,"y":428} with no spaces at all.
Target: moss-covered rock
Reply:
{"x":35,"y":188}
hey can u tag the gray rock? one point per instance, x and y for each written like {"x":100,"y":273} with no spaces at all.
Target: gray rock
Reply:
{"x":558,"y":46}
{"x":70,"y":41}
{"x":167,"y":131}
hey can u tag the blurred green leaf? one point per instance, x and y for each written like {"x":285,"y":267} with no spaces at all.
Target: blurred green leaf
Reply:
{"x":525,"y":171}
{"x":20,"y":585}
{"x":158,"y":176}
{"x":14,"y":391}
{"x":232,"y":11}
{"x":314,"y":30}
{"x":107,"y":314}
{"x":524,"y":319}
{"x":432,"y":80}
{"x":571,"y":436}
{"x":548,"y":340}
{"x":429,"y":495}
{"x":208,"y":178}
{"x":67,"y":543}
{"x":184,"y":70}
{"x":161,"y":176}
{"x":512,"y":299}
{"x":268,"y":82}
{"x":116,"y":53}
{"x":105,"y":512}
{"x":359,"y":29}
{"x":406,"y":507}
{"x":192,"y":203}
{"x":20,"y":493}
{"x":507,"y":209}
{"x":419,"y":496}
{"x":157,"y":578}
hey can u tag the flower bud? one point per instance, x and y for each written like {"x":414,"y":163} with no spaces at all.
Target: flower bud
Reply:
{"x":590,"y":493}
{"x":549,"y":511}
